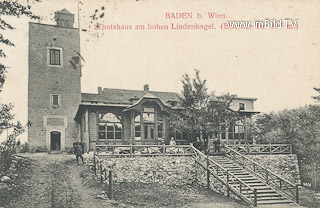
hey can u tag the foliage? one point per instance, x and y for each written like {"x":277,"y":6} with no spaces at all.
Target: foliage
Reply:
{"x":16,"y":9}
{"x":317,"y":98}
{"x":300,"y":127}
{"x":25,"y":148}
{"x":8,"y":147}
{"x":201,"y":113}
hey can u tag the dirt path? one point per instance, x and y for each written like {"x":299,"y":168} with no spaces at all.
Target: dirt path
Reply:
{"x":57,"y":181}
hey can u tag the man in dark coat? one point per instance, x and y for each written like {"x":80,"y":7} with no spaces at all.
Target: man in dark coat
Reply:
{"x":78,"y":152}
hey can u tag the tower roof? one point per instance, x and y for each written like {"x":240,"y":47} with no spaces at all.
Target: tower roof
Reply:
{"x":64,"y":11}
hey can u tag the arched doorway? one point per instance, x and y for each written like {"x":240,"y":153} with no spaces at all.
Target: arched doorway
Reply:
{"x":55,"y":140}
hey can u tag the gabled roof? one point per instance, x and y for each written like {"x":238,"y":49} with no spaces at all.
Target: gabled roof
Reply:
{"x":64,"y":11}
{"x":121,"y":96}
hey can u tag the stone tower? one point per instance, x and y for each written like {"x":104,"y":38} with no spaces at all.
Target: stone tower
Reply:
{"x":54,"y":91}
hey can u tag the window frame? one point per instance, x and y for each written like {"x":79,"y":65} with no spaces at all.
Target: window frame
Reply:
{"x":106,"y":131}
{"x":240,"y":106}
{"x":51,"y":100}
{"x":60,"y":57}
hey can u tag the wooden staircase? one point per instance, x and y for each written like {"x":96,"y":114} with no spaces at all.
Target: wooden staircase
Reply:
{"x":248,"y":180}
{"x":266,"y":195}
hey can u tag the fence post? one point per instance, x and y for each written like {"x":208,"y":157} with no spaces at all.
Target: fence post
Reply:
{"x":101,"y":172}
{"x":297,"y":193}
{"x":228,"y":189}
{"x":255,"y":198}
{"x":110,"y":185}
{"x":164,"y":149}
{"x":270,"y":148}
{"x":267,"y":177}
{"x":280,"y":184}
{"x":94,"y":163}
{"x":243,"y":161}
{"x":130,"y":150}
{"x":208,"y":174}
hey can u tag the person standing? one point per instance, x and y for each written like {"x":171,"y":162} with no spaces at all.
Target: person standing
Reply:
{"x":78,"y":152}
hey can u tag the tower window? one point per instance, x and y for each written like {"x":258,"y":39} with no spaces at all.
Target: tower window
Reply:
{"x":55,"y":100}
{"x":241,"y":106}
{"x":54,"y":56}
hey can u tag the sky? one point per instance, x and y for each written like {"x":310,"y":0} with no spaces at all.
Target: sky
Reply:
{"x":279,"y":67}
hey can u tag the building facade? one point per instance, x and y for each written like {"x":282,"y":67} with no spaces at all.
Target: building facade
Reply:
{"x":54,"y":92}
{"x":61,"y":115}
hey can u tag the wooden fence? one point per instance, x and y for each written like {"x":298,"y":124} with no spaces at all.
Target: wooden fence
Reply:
{"x":105,"y":175}
{"x":239,"y":187}
{"x":142,"y":150}
{"x":276,"y":181}
{"x":262,"y":148}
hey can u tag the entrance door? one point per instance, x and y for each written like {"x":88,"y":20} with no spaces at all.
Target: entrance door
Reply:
{"x":149,"y":131}
{"x":55,"y":140}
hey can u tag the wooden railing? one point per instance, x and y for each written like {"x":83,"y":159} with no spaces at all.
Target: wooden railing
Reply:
{"x":232,"y":183}
{"x":262,"y":148}
{"x":271,"y":178}
{"x":105,"y":175}
{"x":238,"y":187}
{"x":143,"y":150}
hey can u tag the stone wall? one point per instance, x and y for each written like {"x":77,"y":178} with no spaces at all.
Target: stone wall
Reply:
{"x":176,"y":171}
{"x":283,"y":165}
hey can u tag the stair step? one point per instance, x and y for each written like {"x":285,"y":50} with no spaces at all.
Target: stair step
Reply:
{"x":241,"y":173}
{"x":262,"y":192}
{"x":258,"y":187}
{"x":273,"y":202}
{"x":271,"y":198}
{"x":268,"y":195}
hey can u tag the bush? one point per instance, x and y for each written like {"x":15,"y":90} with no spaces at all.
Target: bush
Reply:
{"x":7,"y":149}
{"x":25,"y":148}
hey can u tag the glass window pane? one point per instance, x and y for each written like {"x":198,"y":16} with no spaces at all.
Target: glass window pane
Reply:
{"x":110,"y":127}
{"x":118,"y":127}
{"x":137,"y":118}
{"x":145,"y":132}
{"x":102,"y":127}
{"x":57,"y":57}
{"x":110,"y":135}
{"x":160,"y":127}
{"x":137,"y":134}
{"x":137,"y":127}
{"x":118,"y":135}
{"x":152,"y":131}
{"x":109,"y":117}
{"x":55,"y":99}
{"x":102,"y":135}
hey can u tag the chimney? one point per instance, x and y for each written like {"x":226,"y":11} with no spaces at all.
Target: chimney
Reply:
{"x":99,"y":90}
{"x":64,"y":18}
{"x":146,"y":88}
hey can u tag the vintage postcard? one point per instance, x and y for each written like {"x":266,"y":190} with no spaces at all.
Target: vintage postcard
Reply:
{"x":173,"y":103}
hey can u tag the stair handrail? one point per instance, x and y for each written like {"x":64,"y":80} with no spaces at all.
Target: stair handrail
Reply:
{"x":251,"y":200}
{"x":256,"y":166}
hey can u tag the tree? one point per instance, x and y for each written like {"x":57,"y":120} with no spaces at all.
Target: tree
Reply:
{"x":317,"y":98}
{"x":202,"y":113}
{"x":11,"y":8}
{"x":7,"y":148}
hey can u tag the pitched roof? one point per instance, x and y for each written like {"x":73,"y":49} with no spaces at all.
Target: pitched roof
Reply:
{"x":121,"y":96}
{"x":64,"y":11}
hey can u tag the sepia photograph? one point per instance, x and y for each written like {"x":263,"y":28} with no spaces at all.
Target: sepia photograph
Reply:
{"x":171,"y":104}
